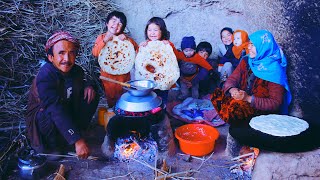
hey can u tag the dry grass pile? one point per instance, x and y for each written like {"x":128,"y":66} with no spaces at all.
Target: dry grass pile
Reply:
{"x":25,"y":25}
{"x":24,"y":29}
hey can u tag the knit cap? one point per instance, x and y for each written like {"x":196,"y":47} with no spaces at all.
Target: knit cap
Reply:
{"x":188,"y":42}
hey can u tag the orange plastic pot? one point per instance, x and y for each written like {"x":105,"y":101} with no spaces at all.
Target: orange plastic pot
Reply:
{"x":196,"y":139}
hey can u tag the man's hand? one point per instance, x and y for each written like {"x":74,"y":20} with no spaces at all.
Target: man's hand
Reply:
{"x":89,"y":93}
{"x":82,"y":150}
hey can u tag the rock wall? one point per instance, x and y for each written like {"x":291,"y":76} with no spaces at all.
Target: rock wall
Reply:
{"x":294,"y":23}
{"x":272,"y":165}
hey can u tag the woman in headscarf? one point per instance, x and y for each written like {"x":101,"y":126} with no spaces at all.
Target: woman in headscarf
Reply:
{"x":258,"y":85}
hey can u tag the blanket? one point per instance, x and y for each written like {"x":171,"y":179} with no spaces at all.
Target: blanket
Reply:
{"x":195,"y":111}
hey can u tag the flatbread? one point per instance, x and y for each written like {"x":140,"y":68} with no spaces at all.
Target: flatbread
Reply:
{"x":163,"y":59}
{"x":117,"y":56}
{"x":279,"y":125}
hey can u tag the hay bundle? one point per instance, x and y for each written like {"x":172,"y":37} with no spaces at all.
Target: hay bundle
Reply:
{"x":24,"y":28}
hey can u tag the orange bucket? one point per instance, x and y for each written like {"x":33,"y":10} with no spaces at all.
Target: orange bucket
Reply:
{"x":196,"y":139}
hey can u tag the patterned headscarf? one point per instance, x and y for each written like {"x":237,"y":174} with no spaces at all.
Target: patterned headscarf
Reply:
{"x":270,"y":63}
{"x":237,"y":50}
{"x":61,"y":35}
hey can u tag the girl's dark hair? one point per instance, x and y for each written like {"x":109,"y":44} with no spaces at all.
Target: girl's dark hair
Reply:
{"x":163,"y":28}
{"x":121,"y":16}
{"x":226,"y":29}
{"x":204,"y":46}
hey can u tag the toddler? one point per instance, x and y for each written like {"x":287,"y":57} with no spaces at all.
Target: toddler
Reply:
{"x":188,"y":70}
{"x":207,"y":84}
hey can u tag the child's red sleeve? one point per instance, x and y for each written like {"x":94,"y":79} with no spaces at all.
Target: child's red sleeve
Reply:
{"x":98,"y":45}
{"x":197,"y":59}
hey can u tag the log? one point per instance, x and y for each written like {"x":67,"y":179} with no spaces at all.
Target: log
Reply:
{"x":60,"y":173}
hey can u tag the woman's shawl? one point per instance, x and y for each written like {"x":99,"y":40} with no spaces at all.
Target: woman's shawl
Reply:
{"x":270,"y":63}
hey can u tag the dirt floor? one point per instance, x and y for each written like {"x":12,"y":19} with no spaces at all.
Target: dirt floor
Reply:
{"x":216,"y":166}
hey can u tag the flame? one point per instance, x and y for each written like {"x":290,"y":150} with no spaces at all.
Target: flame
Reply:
{"x":130,"y":149}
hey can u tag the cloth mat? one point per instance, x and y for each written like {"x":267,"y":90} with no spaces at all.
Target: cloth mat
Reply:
{"x":195,"y":111}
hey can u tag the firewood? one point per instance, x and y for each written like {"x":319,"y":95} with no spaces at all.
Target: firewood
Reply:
{"x":164,"y":168}
{"x":60,"y":173}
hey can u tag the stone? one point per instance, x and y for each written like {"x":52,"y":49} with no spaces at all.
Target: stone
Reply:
{"x":233,"y":147}
{"x":273,"y":165}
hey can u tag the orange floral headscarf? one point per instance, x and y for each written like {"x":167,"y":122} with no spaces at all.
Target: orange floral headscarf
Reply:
{"x":244,"y":46}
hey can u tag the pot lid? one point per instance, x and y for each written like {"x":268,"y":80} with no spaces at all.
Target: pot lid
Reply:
{"x":131,"y":103}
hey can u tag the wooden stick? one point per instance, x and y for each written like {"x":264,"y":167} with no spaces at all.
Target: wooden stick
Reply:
{"x":244,"y":155}
{"x":89,"y":157}
{"x":116,"y":177}
{"x":195,"y":157}
{"x":114,"y":81}
{"x":205,"y":161}
{"x":146,"y":164}
{"x":176,"y":174}
{"x":236,"y":165}
{"x":60,"y":173}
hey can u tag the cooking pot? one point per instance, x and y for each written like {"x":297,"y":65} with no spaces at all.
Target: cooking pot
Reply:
{"x":142,"y":87}
{"x":31,"y":165}
{"x":131,"y":103}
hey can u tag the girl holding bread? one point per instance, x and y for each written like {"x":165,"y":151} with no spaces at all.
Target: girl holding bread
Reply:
{"x":156,"y":30}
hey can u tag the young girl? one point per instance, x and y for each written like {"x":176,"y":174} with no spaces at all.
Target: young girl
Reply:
{"x":156,"y":30}
{"x":116,"y":23}
{"x":241,"y":43}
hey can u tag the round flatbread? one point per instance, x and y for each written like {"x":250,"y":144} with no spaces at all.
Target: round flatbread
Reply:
{"x":117,"y":56}
{"x":279,"y":125}
{"x":161,"y":57}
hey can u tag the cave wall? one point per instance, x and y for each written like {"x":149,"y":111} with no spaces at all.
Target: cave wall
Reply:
{"x":295,"y":25}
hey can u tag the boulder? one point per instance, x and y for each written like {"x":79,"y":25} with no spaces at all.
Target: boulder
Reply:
{"x":273,"y":165}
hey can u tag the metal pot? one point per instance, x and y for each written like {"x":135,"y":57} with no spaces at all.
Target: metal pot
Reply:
{"x":142,"y":87}
{"x":31,"y":165}
{"x":131,"y":103}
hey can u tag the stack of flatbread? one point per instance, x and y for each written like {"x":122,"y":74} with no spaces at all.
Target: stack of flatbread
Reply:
{"x":162,"y":58}
{"x":117,"y":56}
{"x":279,"y":125}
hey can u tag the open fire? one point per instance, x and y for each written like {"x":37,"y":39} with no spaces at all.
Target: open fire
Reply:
{"x":135,"y":147}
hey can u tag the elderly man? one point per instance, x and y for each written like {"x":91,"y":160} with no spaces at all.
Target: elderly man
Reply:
{"x":61,"y":102}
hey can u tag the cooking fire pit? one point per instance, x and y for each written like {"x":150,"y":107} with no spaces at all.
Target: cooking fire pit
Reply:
{"x":140,"y":123}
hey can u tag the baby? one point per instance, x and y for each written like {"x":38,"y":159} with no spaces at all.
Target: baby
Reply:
{"x":241,"y":43}
{"x":189,"y":70}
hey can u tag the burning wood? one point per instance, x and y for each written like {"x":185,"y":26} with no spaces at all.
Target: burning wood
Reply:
{"x":134,"y":147}
{"x":246,"y":161}
{"x":164,"y":168}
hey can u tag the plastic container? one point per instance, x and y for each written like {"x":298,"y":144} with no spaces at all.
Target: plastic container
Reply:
{"x":107,"y":116}
{"x":196,"y":139}
{"x":101,"y":112}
